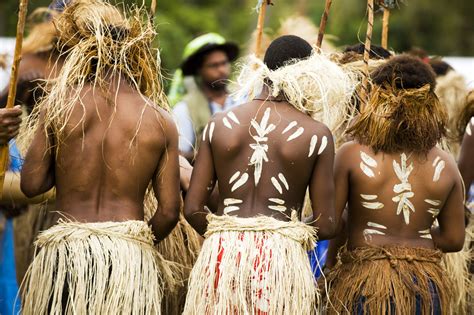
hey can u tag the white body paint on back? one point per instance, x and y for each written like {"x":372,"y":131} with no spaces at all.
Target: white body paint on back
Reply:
{"x":211,"y":130}
{"x":404,"y":188}
{"x":290,"y":126}
{"x":295,"y":134}
{"x":374,"y":228}
{"x":204,"y":132}
{"x":312,"y":145}
{"x":277,"y":204}
{"x":367,"y":164}
{"x":324,"y":143}
{"x":230,"y":205}
{"x":425,"y":234}
{"x":232,"y":117}
{"x":239,"y":183}
{"x":439,"y":167}
{"x":370,"y":202}
{"x":260,"y":147}
{"x":435,"y":203}
{"x":469,"y":127}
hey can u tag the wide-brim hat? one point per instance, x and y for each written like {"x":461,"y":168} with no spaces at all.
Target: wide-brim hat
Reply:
{"x":202,"y":45}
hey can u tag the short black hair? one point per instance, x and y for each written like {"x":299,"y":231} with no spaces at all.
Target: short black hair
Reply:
{"x":440,"y":67}
{"x":406,"y":72}
{"x":286,"y":48}
{"x":376,"y":52}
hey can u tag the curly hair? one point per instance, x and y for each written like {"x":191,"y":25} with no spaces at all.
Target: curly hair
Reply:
{"x":403,"y":112}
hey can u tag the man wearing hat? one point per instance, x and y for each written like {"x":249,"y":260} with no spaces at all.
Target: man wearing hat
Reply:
{"x":207,"y":61}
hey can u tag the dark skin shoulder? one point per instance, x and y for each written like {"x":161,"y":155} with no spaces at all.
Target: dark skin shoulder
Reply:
{"x":264,"y":155}
{"x":102,"y":170}
{"x":395,"y":198}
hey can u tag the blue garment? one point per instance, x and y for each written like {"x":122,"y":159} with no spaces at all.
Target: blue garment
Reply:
{"x":8,"y":283}
{"x":317,"y":258}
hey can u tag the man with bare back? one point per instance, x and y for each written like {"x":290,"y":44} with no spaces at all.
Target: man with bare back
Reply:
{"x":263,"y":155}
{"x":101,"y":138}
{"x":405,"y":199}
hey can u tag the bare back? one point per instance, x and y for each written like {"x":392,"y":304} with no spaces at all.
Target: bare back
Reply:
{"x":264,"y":155}
{"x":114,"y":147}
{"x":395,"y":198}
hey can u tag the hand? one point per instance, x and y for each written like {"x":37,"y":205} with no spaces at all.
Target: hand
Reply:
{"x":10,"y":120}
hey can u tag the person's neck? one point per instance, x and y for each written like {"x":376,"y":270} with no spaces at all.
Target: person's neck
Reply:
{"x":216,"y":95}
{"x":266,"y":96}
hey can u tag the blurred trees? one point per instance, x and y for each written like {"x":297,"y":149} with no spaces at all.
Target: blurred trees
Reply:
{"x":440,"y":27}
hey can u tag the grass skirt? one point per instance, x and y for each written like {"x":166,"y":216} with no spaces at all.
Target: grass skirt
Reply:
{"x":389,"y":280}
{"x":253,"y":265}
{"x":96,"y":268}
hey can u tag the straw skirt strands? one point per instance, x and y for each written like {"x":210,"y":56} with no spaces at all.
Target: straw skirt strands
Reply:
{"x":96,"y":268}
{"x":316,"y":86}
{"x":457,"y":266}
{"x":253,"y":265}
{"x":182,"y":247}
{"x":389,"y":280}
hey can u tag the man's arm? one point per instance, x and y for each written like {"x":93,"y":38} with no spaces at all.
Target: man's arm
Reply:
{"x":166,"y":185}
{"x":37,"y":174}
{"x":449,"y":235}
{"x":202,"y":185}
{"x":466,"y":159}
{"x":341,"y":170}
{"x":12,"y":193}
{"x":321,"y":190}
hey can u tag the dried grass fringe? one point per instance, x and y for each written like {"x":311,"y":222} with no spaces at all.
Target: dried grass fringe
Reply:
{"x":182,"y":247}
{"x":261,"y":247}
{"x":316,"y":86}
{"x":400,"y":119}
{"x":107,"y":267}
{"x":386,"y":274}
{"x":457,"y":267}
{"x":98,"y":42}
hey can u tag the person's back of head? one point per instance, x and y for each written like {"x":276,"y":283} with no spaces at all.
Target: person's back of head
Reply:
{"x":285,"y":49}
{"x":375,"y":52}
{"x":403,"y":113}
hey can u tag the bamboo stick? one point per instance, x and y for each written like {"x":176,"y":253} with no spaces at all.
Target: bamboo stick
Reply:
{"x":4,"y":153}
{"x":260,"y":23}
{"x":322,"y":25}
{"x":368,"y":42}
{"x":385,"y":22}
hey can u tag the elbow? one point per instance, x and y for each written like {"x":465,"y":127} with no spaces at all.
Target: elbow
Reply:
{"x":454,"y":244}
{"x":189,"y":212}
{"x":172,"y":216}
{"x":29,"y":189}
{"x":327,"y":231}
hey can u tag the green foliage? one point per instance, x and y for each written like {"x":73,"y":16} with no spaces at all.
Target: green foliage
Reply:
{"x":439,"y":27}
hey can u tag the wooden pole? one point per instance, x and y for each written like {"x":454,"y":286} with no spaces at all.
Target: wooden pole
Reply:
{"x":322,"y":24}
{"x":368,"y":42}
{"x":385,"y":22}
{"x":153,"y":8}
{"x":260,"y":23}
{"x":4,"y":153}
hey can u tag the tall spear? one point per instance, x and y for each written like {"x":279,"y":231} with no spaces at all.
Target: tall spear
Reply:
{"x":4,"y":153}
{"x":262,"y":8}
{"x":385,"y":21}
{"x":368,"y":43}
{"x":322,"y":24}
